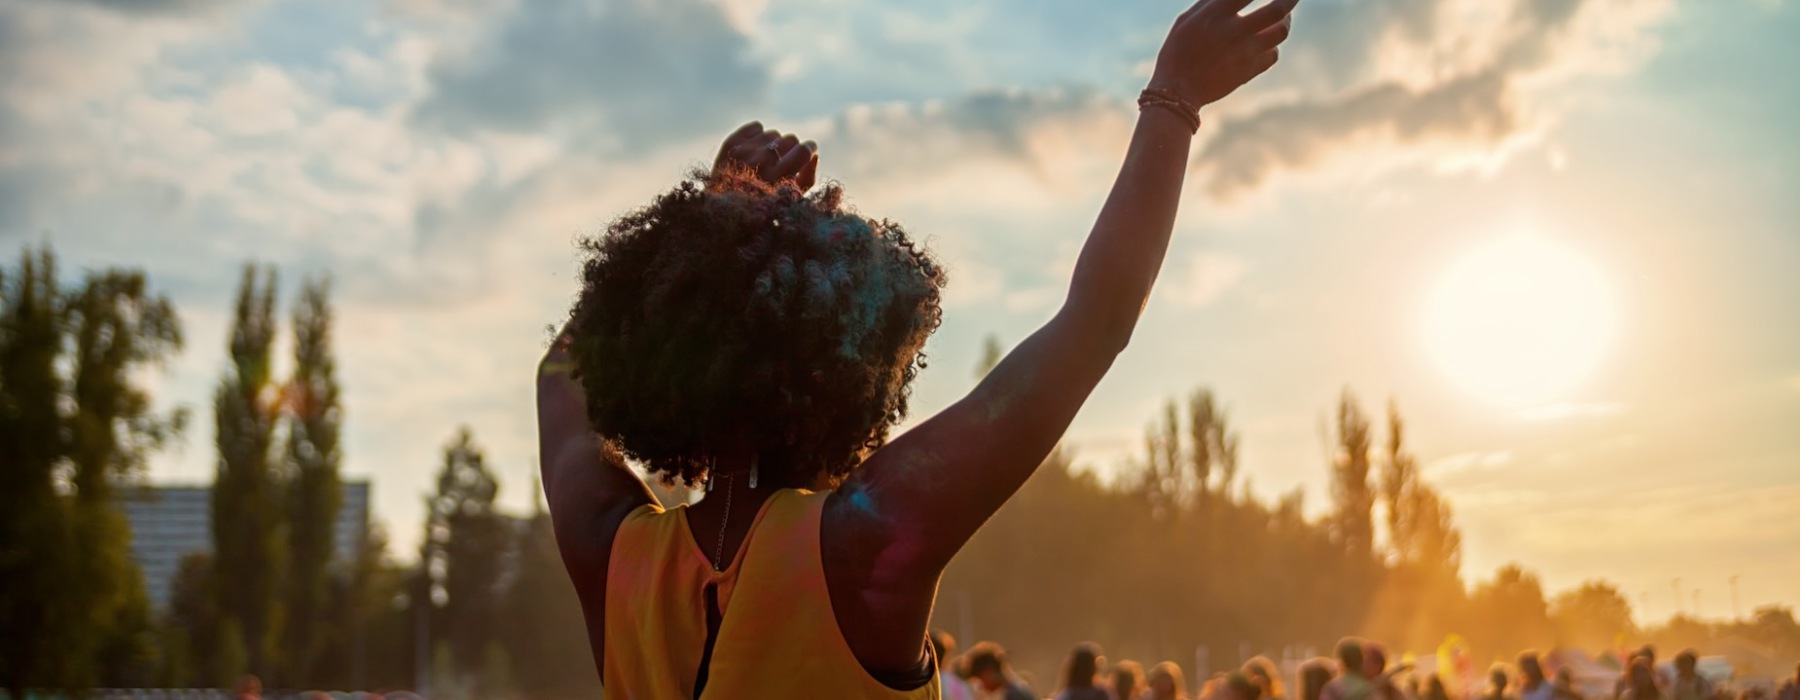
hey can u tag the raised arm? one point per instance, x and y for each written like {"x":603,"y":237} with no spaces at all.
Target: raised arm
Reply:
{"x":932,"y":487}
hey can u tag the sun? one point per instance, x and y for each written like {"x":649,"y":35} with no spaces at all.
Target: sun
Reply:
{"x":1519,"y":321}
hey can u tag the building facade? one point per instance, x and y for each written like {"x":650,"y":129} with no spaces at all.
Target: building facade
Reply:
{"x":169,"y":523}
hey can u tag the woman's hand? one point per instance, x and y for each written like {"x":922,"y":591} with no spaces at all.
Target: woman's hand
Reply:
{"x":1213,"y":50}
{"x":774,"y":156}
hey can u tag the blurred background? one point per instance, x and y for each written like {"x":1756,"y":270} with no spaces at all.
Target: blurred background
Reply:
{"x":276,"y":275}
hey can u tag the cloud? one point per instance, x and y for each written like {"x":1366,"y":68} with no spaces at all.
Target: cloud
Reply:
{"x":1397,"y":82}
{"x":151,"y":7}
{"x":617,"y":74}
{"x":1033,"y":128}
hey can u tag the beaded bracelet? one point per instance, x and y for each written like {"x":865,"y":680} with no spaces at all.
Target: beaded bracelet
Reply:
{"x":1157,"y":97}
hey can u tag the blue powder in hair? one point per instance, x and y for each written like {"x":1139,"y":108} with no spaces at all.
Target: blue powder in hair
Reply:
{"x":873,"y":295}
{"x":818,"y":286}
{"x":785,"y":279}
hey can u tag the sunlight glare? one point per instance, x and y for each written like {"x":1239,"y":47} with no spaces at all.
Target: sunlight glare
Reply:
{"x":1519,"y":321}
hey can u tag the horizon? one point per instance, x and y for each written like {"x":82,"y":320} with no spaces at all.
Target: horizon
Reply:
{"x":1629,"y":157}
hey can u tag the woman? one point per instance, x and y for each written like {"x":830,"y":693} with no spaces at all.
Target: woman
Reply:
{"x":1166,"y":682}
{"x":745,"y":336}
{"x":1127,"y":680}
{"x":1080,"y":672}
{"x":1640,"y":680}
{"x":1314,"y":675}
{"x":1261,"y":671}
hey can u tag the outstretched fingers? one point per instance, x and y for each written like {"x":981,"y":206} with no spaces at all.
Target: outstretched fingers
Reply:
{"x":1220,"y":8}
{"x":1268,"y":15}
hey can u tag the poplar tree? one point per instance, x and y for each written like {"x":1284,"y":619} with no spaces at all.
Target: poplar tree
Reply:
{"x":246,"y":502}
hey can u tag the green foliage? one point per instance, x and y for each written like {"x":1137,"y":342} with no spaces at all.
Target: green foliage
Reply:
{"x":313,"y":494}
{"x":248,"y":556}
{"x":74,"y":424}
{"x":546,"y":634}
{"x":465,"y":541}
{"x":230,"y":661}
{"x":194,"y":619}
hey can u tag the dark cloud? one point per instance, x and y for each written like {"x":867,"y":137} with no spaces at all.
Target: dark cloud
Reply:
{"x":159,"y":7}
{"x":1472,"y":105}
{"x":1247,"y":152}
{"x":910,"y":139}
{"x":616,"y":74}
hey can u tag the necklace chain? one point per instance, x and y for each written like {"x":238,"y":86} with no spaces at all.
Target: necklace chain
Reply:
{"x":724,"y":524}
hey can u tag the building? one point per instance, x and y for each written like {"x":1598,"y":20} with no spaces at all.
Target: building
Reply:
{"x":171,"y":522}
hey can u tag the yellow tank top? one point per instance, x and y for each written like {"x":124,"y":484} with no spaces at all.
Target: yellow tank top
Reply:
{"x":777,"y":637}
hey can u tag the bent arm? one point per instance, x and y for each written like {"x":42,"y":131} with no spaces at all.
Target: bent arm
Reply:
{"x":587,"y":485}
{"x":935,"y":485}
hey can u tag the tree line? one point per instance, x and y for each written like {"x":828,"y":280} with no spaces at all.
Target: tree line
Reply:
{"x":1172,"y":554}
{"x":1173,"y":557}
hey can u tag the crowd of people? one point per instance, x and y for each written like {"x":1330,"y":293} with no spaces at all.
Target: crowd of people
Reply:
{"x":1360,"y":671}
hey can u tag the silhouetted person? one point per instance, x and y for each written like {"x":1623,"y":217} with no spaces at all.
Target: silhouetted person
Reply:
{"x":1564,"y":688}
{"x":1648,"y":654}
{"x":746,"y":333}
{"x":1350,"y":684}
{"x":1237,"y":686}
{"x":1791,"y":689}
{"x":1434,"y":688}
{"x":953,"y":686}
{"x":1532,"y":683}
{"x":1497,"y":682}
{"x":1314,"y":675}
{"x":1080,"y":671}
{"x":1261,"y":671}
{"x":1688,"y":683}
{"x":1127,"y":680}
{"x":1375,"y":668}
{"x":1640,"y":680}
{"x":1167,"y":682}
{"x":990,"y":672}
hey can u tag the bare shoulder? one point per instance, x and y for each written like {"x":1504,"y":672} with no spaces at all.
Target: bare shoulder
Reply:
{"x":881,"y":603}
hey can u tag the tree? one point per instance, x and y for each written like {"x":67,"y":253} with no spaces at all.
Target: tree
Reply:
{"x":74,"y":597}
{"x":248,"y":557}
{"x":545,"y":620}
{"x":36,"y":650}
{"x":1591,"y":617}
{"x":192,"y":624}
{"x":465,"y":543}
{"x":1510,"y":612}
{"x":117,"y":326}
{"x":1354,"y":520}
{"x":314,"y":418}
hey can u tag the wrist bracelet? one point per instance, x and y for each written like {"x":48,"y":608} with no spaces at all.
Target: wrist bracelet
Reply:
{"x":559,"y":367}
{"x":1156,"y":97}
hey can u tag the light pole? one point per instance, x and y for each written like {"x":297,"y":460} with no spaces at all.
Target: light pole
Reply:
{"x":1736,"y":612}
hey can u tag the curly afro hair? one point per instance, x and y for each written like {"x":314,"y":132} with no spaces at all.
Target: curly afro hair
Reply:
{"x":731,"y":313}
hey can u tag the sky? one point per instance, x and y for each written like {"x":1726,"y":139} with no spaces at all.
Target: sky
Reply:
{"x":1557,"y":234}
